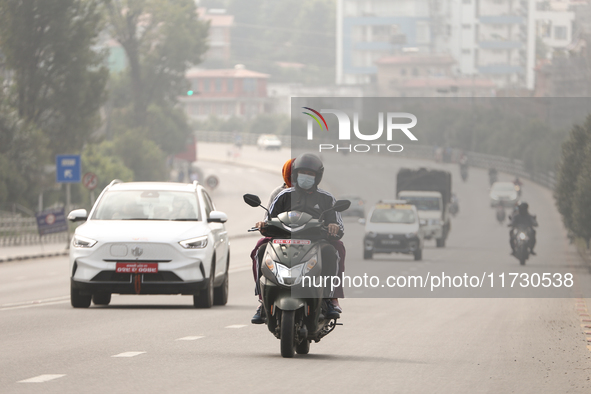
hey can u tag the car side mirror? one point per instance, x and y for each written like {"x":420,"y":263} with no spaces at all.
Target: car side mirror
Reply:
{"x":361,"y":221}
{"x":252,"y":200}
{"x":217,"y":217}
{"x":78,"y":215}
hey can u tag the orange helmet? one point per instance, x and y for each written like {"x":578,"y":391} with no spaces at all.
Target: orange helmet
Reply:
{"x":287,"y":172}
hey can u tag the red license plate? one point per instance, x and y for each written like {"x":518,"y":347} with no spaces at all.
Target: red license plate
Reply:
{"x":292,"y":241}
{"x":137,"y":268}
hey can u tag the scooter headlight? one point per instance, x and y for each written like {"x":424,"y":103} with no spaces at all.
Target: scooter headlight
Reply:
{"x":269,"y":261}
{"x":310,"y":263}
{"x":522,"y":236}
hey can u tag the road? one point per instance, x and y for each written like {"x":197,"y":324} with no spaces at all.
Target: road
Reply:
{"x":402,"y":345}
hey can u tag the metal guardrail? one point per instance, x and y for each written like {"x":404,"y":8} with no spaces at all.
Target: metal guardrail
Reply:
{"x":226,"y":137}
{"x":503,"y":164}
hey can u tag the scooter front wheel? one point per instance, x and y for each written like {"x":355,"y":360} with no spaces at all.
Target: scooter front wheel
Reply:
{"x":288,"y":334}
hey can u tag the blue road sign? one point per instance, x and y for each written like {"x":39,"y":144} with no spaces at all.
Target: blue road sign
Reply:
{"x":67,"y":169}
{"x":51,"y":221}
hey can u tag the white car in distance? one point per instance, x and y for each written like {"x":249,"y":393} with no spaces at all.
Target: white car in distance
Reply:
{"x":269,"y":142}
{"x":150,"y":238}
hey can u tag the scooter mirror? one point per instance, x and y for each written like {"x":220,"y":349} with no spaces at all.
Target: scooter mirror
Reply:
{"x":341,"y":205}
{"x":252,"y":200}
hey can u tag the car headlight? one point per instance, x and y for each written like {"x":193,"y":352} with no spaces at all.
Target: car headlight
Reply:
{"x":79,"y":241}
{"x":194,"y":243}
{"x":371,"y":234}
{"x":411,"y":235}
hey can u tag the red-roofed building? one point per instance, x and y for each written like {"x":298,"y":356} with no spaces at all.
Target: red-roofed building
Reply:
{"x":225,"y":93}
{"x":415,"y":75}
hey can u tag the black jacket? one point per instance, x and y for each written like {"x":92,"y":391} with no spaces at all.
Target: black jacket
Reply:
{"x":524,"y":221}
{"x":314,"y":203}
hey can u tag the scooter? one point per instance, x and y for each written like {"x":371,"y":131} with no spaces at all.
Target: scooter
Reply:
{"x":295,"y":307}
{"x":521,"y":239}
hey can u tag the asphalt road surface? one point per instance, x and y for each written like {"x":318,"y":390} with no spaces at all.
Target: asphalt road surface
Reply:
{"x":156,"y":344}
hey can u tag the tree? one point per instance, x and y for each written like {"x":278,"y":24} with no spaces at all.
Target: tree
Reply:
{"x":23,"y":151}
{"x":582,"y":198}
{"x":573,"y":154}
{"x":161,"y":40}
{"x":58,"y":79}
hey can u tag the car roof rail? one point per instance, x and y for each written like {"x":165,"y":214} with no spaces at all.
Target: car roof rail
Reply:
{"x":115,"y":181}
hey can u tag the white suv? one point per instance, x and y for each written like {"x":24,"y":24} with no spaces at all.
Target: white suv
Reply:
{"x":150,"y":238}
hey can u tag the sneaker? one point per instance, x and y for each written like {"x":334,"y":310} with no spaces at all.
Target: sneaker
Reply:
{"x":259,"y":316}
{"x":337,"y":307}
{"x":331,"y":312}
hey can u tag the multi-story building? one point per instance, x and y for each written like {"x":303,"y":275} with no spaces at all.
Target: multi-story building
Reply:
{"x":368,"y":30}
{"x":219,"y":39}
{"x":225,"y":93}
{"x":493,"y":39}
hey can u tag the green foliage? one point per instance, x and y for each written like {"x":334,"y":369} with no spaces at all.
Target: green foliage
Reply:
{"x":161,"y":39}
{"x":300,"y":31}
{"x":102,"y":161}
{"x":582,"y":198}
{"x":58,"y":79}
{"x":570,"y":184}
{"x":23,"y":152}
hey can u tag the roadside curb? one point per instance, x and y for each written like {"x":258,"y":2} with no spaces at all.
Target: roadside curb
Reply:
{"x":33,"y":256}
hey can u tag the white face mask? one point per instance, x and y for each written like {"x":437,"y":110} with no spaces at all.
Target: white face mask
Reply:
{"x":306,"y":181}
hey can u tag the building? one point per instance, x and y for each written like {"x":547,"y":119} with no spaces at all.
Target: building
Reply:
{"x":368,"y":30}
{"x":418,"y":75}
{"x":493,"y":39}
{"x":225,"y":93}
{"x":496,"y":39}
{"x":280,"y":94}
{"x":219,"y":40}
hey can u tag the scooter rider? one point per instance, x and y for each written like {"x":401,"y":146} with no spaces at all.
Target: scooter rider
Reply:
{"x":305,"y":196}
{"x":523,"y":219}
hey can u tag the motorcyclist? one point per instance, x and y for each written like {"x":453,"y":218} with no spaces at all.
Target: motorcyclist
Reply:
{"x":518,"y":185}
{"x":286,"y":173}
{"x":523,"y":219}
{"x":305,"y":196}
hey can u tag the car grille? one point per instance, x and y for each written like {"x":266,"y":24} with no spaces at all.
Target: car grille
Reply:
{"x":112,"y":276}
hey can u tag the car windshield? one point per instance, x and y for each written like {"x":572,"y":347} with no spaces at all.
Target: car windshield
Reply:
{"x":424,"y":203}
{"x":504,"y":187}
{"x":147,"y":205}
{"x":393,"y":216}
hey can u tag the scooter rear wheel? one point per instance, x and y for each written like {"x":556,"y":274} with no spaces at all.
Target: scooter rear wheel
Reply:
{"x":288,"y":334}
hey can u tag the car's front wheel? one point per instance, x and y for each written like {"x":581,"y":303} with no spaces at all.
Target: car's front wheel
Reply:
{"x":220,"y":294}
{"x":78,"y":300}
{"x":205,"y":297}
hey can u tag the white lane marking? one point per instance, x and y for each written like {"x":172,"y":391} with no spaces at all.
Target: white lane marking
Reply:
{"x":30,"y":304}
{"x":41,"y":379}
{"x":236,"y":326}
{"x":190,"y":338}
{"x":128,"y":354}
